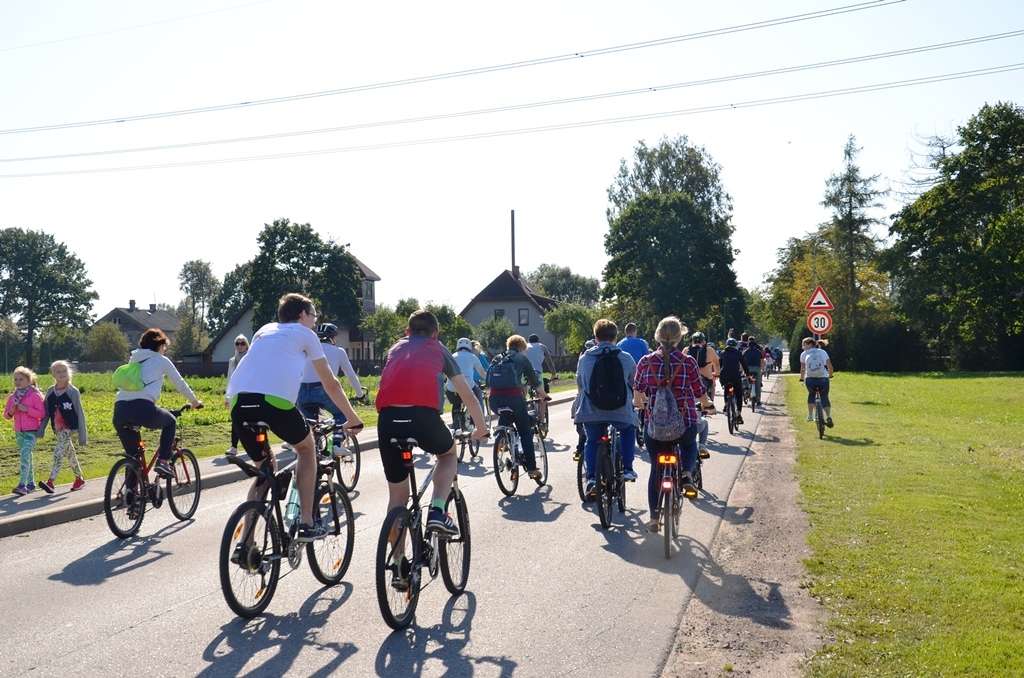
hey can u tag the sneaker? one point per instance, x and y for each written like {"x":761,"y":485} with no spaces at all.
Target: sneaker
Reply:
{"x":703,"y":451}
{"x":163,"y":469}
{"x":308,"y":533}
{"x":47,"y":486}
{"x":629,"y":475}
{"x":31,"y":487}
{"x":400,"y":572}
{"x":78,"y":484}
{"x":828,"y":422}
{"x":591,"y":488}
{"x":654,"y":526}
{"x":20,"y":490}
{"x":810,"y":417}
{"x":439,"y":521}
{"x":686,"y":484}
{"x":232,"y":451}
{"x":739,"y":420}
{"x":237,"y":554}
{"x":536,"y":475}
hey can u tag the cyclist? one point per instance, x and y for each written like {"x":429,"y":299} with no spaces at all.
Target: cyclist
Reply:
{"x":815,"y":372}
{"x":540,"y":358}
{"x":312,"y":395}
{"x":140,"y":407}
{"x":734,"y":368}
{"x":594,"y":419}
{"x":410,"y":407}
{"x":515,"y":399}
{"x":707,"y":361}
{"x":754,"y":357}
{"x":686,"y":387}
{"x":581,"y":433}
{"x":265,"y":386}
{"x":634,"y":345}
{"x":470,"y":367}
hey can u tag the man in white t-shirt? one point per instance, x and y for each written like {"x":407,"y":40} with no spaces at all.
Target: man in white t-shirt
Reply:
{"x":265,"y":386}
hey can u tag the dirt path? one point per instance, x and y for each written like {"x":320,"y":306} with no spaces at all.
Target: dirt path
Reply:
{"x":749,"y":615}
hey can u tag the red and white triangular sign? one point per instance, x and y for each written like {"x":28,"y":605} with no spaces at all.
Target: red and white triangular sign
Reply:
{"x":819,"y":301}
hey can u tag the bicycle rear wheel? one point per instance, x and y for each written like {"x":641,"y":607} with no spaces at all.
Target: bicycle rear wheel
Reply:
{"x":540,"y":455}
{"x":454,"y":550}
{"x":330,"y":557}
{"x":397,"y":548}
{"x":620,"y":489}
{"x":666,"y":517}
{"x":819,"y":418}
{"x":506,"y":471}
{"x":249,"y":583}
{"x":581,"y":477}
{"x":349,"y":465}
{"x":184,"y":488}
{"x":124,"y":499}
{"x":730,"y":414}
{"x":605,"y":482}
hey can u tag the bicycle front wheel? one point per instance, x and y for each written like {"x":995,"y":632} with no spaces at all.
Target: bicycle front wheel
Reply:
{"x":250,"y":559}
{"x":667,"y":521}
{"x":349,"y":464}
{"x":819,"y":419}
{"x":605,"y":478}
{"x":455,"y":549}
{"x":124,"y":499}
{"x":330,"y":557}
{"x":540,"y":455}
{"x":506,"y":472}
{"x":398,"y":582}
{"x":545,"y":422}
{"x":184,"y":488}
{"x":581,"y":477}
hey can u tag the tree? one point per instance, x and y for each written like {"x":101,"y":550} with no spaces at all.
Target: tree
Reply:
{"x":958,"y":256}
{"x":188,"y":339}
{"x":559,"y":282}
{"x":387,"y":328}
{"x":41,"y":284}
{"x":105,"y":343}
{"x":293,"y":258}
{"x":13,"y":346}
{"x":230,"y":299}
{"x":62,"y":343}
{"x":452,"y":326}
{"x":573,"y":323}
{"x":493,"y":333}
{"x":201,"y":287}
{"x":406,"y":307}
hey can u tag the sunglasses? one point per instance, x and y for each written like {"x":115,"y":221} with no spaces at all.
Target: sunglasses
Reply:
{"x":241,"y":343}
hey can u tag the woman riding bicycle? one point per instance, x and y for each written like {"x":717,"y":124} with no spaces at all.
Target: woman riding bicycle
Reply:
{"x":815,"y":372}
{"x":686,"y":387}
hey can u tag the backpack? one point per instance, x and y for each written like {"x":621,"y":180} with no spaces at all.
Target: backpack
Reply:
{"x":501,"y":373}
{"x":814,"y":364}
{"x":128,"y":377}
{"x":607,"y":381}
{"x":664,"y":420}
{"x":700,"y":354}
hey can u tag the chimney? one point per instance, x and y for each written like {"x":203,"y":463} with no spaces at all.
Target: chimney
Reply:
{"x":152,"y":308}
{"x":515,"y":272}
{"x":131,"y":306}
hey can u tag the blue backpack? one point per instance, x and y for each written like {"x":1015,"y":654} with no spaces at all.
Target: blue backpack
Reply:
{"x":501,"y":373}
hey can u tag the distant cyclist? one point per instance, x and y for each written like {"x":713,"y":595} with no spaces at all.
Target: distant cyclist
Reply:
{"x":471,"y":368}
{"x":815,"y":372}
{"x":707,"y":360}
{"x":734,"y":368}
{"x":754,"y":357}
{"x":514,"y":398}
{"x":541,"y":360}
{"x":312,"y":395}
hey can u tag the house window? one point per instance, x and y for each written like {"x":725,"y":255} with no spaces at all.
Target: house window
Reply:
{"x":524,"y":316}
{"x":116,"y":321}
{"x":367,"y":289}
{"x":499,"y":313}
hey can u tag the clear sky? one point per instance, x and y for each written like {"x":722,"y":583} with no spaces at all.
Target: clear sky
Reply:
{"x":432,"y":219}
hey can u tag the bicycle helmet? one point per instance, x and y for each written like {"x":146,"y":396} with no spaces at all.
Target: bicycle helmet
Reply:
{"x":697,"y":336}
{"x":327,"y":331}
{"x":464,"y":344}
{"x":533,"y":339}
{"x":731,"y":342}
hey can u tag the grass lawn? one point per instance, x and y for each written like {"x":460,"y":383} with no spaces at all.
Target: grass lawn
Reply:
{"x":206,"y":432}
{"x":916,"y":505}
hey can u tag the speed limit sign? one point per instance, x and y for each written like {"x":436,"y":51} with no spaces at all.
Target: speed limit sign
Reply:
{"x":819,"y":322}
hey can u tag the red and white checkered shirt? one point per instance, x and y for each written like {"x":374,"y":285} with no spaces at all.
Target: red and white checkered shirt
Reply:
{"x":687,"y":386}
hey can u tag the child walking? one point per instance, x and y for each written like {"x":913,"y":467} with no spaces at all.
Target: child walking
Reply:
{"x":65,"y":415}
{"x":25,"y":407}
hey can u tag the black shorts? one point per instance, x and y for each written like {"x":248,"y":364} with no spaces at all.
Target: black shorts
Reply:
{"x":422,"y":423}
{"x":287,"y":424}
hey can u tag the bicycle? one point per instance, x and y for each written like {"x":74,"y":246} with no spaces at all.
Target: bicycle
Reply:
{"x":534,"y":404}
{"x":129,"y":487}
{"x":258,"y":536}
{"x":462,"y":430}
{"x":609,"y":482}
{"x":398,"y":578}
{"x":755,"y":393}
{"x":819,"y":414}
{"x":330,"y":439}
{"x":581,"y":476}
{"x":732,"y":414}
{"x":508,"y":452}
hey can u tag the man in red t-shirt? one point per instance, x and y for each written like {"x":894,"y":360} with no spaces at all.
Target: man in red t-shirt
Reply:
{"x":409,"y":403}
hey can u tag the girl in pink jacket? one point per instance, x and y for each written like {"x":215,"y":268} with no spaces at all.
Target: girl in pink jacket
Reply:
{"x":25,"y":407}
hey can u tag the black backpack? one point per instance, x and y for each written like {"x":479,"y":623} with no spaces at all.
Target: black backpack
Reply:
{"x":699,"y":353}
{"x":501,"y":373}
{"x":607,"y":381}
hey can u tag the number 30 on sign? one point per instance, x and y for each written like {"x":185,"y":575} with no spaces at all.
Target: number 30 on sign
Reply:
{"x":819,"y":322}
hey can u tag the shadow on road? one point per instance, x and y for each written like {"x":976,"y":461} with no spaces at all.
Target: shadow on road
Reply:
{"x":534,"y":506}
{"x":116,"y":557}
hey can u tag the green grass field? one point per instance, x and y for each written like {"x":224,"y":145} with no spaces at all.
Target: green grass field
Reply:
{"x":206,"y":432}
{"x":916,"y":505}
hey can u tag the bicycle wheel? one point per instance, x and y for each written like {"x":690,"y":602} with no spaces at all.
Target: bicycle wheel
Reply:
{"x":581,"y":477}
{"x":698,"y":475}
{"x":349,"y":465}
{"x":540,"y":455}
{"x":454,"y":550}
{"x":666,"y":517}
{"x":184,"y":488}
{"x":249,"y":584}
{"x":545,"y":423}
{"x":819,"y":418}
{"x":620,"y":483}
{"x":730,"y":414}
{"x":506,"y":471}
{"x":397,"y":543}
{"x":124,"y":500}
{"x":605,"y":478}
{"x":330,"y":557}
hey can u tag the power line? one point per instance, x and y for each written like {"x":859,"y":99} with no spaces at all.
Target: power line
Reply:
{"x":515,"y":107}
{"x":557,"y":127}
{"x":872,"y":4}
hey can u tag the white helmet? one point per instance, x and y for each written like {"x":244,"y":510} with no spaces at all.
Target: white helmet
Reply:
{"x":464,"y":343}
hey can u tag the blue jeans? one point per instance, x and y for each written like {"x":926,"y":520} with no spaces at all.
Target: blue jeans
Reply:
{"x":687,"y":460}
{"x":521,"y":420}
{"x":821,"y":383}
{"x":627,"y":443}
{"x":313,"y":397}
{"x":143,"y":413}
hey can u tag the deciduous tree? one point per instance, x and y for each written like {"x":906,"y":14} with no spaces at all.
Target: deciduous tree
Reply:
{"x":230,"y":299}
{"x":201,"y":287}
{"x":559,"y":282}
{"x":106,"y":343}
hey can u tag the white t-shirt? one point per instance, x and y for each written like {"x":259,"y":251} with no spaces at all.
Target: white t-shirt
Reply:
{"x":467,"y":362}
{"x":813,"y":360}
{"x":337,"y":358}
{"x":274,"y":362}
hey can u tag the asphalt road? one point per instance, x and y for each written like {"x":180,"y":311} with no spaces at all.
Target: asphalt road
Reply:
{"x":549,"y":592}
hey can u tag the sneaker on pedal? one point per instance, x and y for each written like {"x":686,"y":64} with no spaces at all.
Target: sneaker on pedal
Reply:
{"x":308,"y":533}
{"x":535,"y":475}
{"x":810,"y":417}
{"x":654,"y":526}
{"x":686,"y":484}
{"x":46,"y":486}
{"x":400,"y":574}
{"x":591,"y":489}
{"x":629,"y":475}
{"x":739,"y":420}
{"x":439,"y":521}
{"x":828,"y":422}
{"x":163,"y":469}
{"x":238,"y":555}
